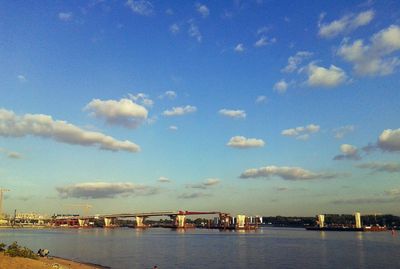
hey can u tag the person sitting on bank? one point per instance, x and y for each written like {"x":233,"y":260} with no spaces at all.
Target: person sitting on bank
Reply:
{"x":43,"y":252}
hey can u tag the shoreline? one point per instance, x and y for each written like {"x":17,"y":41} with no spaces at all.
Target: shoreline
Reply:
{"x":52,"y":262}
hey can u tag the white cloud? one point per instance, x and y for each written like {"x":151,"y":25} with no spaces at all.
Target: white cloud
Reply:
{"x":194,"y":31}
{"x":12,"y":125}
{"x":180,"y":111}
{"x":21,"y":78}
{"x":193,"y":195}
{"x":65,"y":16}
{"x":11,"y":154}
{"x":319,"y":76}
{"x":349,"y":152}
{"x":389,"y":140}
{"x":263,"y":30}
{"x":203,"y":10}
{"x":343,"y":131}
{"x":173,"y":128}
{"x":301,"y":132}
{"x":286,"y":173}
{"x":296,"y":60}
{"x":164,"y":180}
{"x":381,"y":167}
{"x":261,"y":99}
{"x":393,"y":192}
{"x":345,"y":24}
{"x":174,"y":28}
{"x":237,"y":114}
{"x":281,"y":86}
{"x":14,"y":155}
{"x":96,"y":190}
{"x":239,"y":48}
{"x":263,"y":41}
{"x":169,"y":94}
{"x":243,"y":142}
{"x":373,"y":58}
{"x":141,"y":98}
{"x":169,"y":12}
{"x":207,"y":183}
{"x":123,"y":112}
{"x":140,"y":7}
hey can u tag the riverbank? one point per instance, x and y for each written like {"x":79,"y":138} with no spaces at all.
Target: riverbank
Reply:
{"x":43,"y":263}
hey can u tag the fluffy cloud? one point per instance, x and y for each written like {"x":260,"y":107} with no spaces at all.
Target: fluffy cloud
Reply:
{"x":203,"y":10}
{"x":164,"y":180}
{"x":21,"y":78}
{"x":239,"y":48}
{"x":345,"y":24}
{"x":141,"y":98}
{"x":140,"y":7}
{"x":243,"y":142}
{"x":14,"y":155}
{"x":65,"y":16}
{"x":193,"y":195}
{"x":180,"y":111}
{"x":393,"y":192}
{"x":169,"y":94}
{"x":96,"y":190}
{"x":296,"y":60}
{"x":370,"y":200}
{"x":343,"y":130}
{"x":389,"y":140}
{"x":12,"y":125}
{"x":174,"y":28}
{"x":281,"y":86}
{"x":261,"y":99}
{"x":123,"y":112}
{"x":373,"y":58}
{"x":319,"y":76}
{"x":286,"y":173}
{"x":173,"y":128}
{"x":11,"y":154}
{"x":349,"y":152}
{"x":301,"y":132}
{"x":237,"y":114}
{"x":209,"y":182}
{"x":381,"y":167}
{"x":263,"y":41}
{"x":194,"y":31}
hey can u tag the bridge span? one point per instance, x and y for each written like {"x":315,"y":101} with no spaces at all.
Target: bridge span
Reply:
{"x":226,"y":221}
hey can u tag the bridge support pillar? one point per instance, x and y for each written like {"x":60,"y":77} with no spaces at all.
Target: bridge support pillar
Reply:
{"x":180,"y":221}
{"x":109,"y":222}
{"x":240,"y":221}
{"x":82,"y":222}
{"x":139,"y":222}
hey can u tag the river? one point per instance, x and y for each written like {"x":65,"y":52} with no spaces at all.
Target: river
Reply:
{"x":198,"y":248}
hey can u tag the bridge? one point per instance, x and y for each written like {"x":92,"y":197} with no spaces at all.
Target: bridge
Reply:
{"x":178,"y":219}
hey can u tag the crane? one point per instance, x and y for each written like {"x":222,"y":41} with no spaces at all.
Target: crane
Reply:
{"x":2,"y":190}
{"x":85,"y":207}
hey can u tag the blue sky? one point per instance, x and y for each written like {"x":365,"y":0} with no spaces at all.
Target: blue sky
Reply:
{"x":255,"y":107}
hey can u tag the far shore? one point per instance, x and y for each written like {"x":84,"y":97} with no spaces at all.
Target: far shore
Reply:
{"x":44,"y":263}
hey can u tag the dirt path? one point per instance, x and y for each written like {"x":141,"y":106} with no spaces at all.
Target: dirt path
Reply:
{"x":42,"y":263}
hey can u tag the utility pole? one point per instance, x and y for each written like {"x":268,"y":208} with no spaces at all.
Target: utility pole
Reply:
{"x":1,"y":200}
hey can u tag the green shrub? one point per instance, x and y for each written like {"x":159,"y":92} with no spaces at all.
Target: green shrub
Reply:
{"x":2,"y":247}
{"x":15,"y":250}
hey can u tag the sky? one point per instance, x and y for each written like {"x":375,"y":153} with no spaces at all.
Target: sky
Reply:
{"x":252,"y":107}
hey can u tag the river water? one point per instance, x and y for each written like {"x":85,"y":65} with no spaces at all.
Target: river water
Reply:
{"x":198,"y":248}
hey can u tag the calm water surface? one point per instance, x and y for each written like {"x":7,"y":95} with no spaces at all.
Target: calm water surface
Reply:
{"x":266,"y":248}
